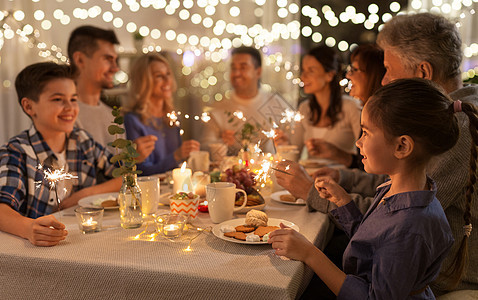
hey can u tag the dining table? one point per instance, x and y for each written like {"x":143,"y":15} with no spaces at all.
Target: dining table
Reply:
{"x":118,"y":263}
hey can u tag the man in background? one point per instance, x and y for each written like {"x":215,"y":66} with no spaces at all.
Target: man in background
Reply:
{"x":94,"y":62}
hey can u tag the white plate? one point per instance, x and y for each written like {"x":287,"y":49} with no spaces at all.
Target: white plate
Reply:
{"x":95,"y":200}
{"x":216,"y":230}
{"x":276,"y":197}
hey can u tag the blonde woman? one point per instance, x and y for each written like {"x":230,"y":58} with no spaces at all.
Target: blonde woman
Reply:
{"x":152,"y":88}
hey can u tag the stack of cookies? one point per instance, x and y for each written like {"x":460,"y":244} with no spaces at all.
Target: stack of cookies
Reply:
{"x":254,"y":229}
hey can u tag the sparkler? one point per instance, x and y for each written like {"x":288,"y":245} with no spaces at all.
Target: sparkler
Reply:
{"x":53,"y":177}
{"x":289,"y":116}
{"x":272,"y":134}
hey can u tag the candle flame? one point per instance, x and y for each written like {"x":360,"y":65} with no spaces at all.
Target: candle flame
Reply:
{"x":183,"y":167}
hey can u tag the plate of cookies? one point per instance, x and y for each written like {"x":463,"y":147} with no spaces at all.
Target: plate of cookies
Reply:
{"x":254,"y":229}
{"x":106,"y":200}
{"x":254,"y":201}
{"x":286,"y":198}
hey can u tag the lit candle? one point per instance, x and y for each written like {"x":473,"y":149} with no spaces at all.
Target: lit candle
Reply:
{"x":180,"y":176}
{"x":89,"y":225}
{"x":171,"y":230}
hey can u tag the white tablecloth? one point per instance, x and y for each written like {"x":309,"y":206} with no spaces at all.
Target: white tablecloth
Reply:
{"x":112,"y":265}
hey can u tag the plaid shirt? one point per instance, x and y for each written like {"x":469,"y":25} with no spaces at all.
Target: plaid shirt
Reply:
{"x":23,"y":185}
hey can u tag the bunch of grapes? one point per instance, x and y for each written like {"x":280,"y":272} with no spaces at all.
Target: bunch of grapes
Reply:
{"x":242,"y":178}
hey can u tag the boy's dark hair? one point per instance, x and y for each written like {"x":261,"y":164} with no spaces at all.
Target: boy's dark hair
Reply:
{"x":31,"y":81}
{"x":84,"y":39}
{"x":253,"y":52}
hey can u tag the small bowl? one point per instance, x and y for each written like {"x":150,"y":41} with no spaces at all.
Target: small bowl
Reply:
{"x":171,"y":225}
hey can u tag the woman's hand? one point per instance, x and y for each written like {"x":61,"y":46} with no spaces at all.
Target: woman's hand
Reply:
{"x":281,"y":138}
{"x":182,"y":153}
{"x":144,"y":146}
{"x":45,"y":231}
{"x":332,"y":191}
{"x":289,"y":243}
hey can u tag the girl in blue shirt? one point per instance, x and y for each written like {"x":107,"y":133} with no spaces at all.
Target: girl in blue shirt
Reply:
{"x":152,"y":88}
{"x":397,"y":247}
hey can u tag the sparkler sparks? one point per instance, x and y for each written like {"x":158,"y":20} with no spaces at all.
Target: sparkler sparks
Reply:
{"x":263,"y":171}
{"x":239,"y":115}
{"x":289,"y":116}
{"x":53,"y":177}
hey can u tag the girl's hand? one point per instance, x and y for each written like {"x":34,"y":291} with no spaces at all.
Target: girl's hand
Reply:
{"x":289,"y":243}
{"x":330,"y":190}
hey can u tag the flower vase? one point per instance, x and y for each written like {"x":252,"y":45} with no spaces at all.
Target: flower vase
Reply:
{"x":129,"y":199}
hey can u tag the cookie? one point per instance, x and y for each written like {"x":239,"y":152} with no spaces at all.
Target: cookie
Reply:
{"x":262,"y":230}
{"x":237,"y":235}
{"x":287,"y":197}
{"x":109,"y":203}
{"x":244,"y":228}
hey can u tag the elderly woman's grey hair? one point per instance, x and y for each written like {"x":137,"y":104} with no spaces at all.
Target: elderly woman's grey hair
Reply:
{"x":424,"y":37}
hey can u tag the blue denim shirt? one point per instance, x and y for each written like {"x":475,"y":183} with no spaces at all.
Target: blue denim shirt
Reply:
{"x":396,"y":248}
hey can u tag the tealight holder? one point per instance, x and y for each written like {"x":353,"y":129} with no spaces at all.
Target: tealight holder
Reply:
{"x":171,"y":225}
{"x":90,"y":219}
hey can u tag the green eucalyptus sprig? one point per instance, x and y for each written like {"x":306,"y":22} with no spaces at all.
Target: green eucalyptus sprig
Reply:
{"x":125,"y":149}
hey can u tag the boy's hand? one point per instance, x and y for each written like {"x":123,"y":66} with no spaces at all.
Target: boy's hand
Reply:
{"x":228,"y":137}
{"x":144,"y":146}
{"x":331,"y":191}
{"x":46,"y":231}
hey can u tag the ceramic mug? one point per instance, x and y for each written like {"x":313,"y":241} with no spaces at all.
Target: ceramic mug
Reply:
{"x":220,"y":198}
{"x":199,"y":161}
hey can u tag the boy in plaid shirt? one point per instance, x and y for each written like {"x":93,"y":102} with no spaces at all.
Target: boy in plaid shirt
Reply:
{"x":47,"y":94}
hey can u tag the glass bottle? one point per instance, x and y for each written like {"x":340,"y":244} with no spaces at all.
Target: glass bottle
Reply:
{"x":129,"y":199}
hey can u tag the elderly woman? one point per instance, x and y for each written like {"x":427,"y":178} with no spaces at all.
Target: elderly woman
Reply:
{"x":365,"y":71}
{"x":152,"y":88}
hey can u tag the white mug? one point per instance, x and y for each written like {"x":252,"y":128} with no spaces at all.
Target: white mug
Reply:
{"x":220,"y":198}
{"x":199,"y":161}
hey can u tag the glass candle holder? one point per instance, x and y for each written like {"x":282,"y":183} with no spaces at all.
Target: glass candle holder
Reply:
{"x":171,"y":225}
{"x":90,"y":219}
